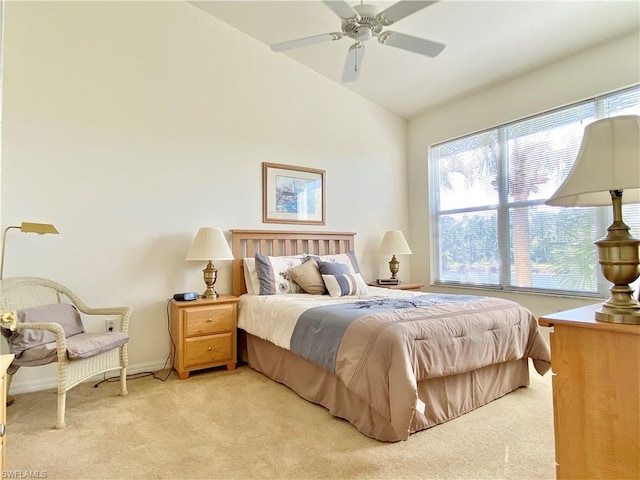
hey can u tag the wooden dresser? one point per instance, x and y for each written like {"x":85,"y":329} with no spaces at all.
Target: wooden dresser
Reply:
{"x":596,"y":395}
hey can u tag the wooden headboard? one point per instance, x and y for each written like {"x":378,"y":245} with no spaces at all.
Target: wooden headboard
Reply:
{"x":246,"y":243}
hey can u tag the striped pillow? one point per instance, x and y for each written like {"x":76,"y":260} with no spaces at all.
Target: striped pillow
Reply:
{"x":274,"y":275}
{"x":346,"y":284}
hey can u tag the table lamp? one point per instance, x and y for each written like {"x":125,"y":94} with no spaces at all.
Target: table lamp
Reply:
{"x":608,"y":164}
{"x":210,"y":245}
{"x":394,"y":243}
{"x":25,"y":227}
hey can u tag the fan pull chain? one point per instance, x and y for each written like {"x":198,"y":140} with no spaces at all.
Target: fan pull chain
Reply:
{"x":355,"y":67}
{"x":355,"y":56}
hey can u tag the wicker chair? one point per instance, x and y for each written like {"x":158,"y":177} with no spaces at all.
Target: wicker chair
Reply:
{"x":22,"y":294}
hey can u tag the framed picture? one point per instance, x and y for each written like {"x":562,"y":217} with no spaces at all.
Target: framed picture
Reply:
{"x":292,"y":194}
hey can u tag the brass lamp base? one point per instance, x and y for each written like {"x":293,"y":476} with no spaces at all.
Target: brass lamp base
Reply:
{"x":210,"y":277}
{"x":618,"y":315}
{"x":619,"y":258}
{"x":394,"y":267}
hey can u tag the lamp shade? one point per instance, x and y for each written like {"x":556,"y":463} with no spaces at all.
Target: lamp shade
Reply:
{"x":209,"y":244}
{"x":608,"y":159}
{"x":393,"y":242}
{"x":39,"y":228}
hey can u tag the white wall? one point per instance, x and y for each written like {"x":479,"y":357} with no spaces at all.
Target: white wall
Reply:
{"x":129,"y":125}
{"x":609,"y":67}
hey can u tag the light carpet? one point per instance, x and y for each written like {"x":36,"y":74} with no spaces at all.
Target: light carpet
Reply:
{"x":240,"y":424}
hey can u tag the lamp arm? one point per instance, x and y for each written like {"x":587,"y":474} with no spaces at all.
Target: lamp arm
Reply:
{"x":4,"y":242}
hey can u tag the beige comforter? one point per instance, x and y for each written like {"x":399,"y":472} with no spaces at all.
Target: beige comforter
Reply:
{"x":382,"y":356}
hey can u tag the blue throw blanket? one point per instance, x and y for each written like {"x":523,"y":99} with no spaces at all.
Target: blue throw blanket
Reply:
{"x":319,"y":330}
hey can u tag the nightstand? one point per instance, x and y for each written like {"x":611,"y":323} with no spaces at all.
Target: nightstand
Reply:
{"x":203,"y":334}
{"x":400,"y":286}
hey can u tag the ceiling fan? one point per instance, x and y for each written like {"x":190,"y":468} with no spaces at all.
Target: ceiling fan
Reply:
{"x":363,"y":22}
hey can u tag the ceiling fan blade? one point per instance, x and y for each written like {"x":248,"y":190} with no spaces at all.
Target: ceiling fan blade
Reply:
{"x":411,"y":43}
{"x":341,"y":8}
{"x":303,"y":42}
{"x":353,"y":63}
{"x":402,"y":9}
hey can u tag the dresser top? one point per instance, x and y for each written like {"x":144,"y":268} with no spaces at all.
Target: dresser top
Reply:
{"x":585,"y":317}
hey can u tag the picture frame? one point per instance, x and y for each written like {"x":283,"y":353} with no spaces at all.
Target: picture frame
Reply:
{"x":293,"y":194}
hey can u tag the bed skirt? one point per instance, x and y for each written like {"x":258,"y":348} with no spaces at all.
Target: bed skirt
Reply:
{"x":445,"y":398}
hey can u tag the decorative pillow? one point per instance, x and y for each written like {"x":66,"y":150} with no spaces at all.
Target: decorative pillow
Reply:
{"x":343,"y":285}
{"x":62,"y":313}
{"x":308,"y":277}
{"x":330,"y":268}
{"x":274,"y":276}
{"x":251,"y":279}
{"x":348,"y":258}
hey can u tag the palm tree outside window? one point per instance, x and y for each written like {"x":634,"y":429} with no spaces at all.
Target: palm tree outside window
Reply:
{"x":492,"y":228}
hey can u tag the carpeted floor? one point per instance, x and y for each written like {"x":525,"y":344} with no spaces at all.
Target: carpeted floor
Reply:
{"x":239,"y":424}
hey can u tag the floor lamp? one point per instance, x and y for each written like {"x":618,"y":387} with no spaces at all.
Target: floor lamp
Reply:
{"x":25,"y":227}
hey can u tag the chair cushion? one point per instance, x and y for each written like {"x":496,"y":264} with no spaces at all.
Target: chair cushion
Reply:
{"x":67,"y":316}
{"x":82,"y":345}
{"x":87,"y":345}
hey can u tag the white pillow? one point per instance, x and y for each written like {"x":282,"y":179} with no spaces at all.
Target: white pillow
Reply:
{"x":251,"y":279}
{"x":348,"y":258}
{"x":274,"y":276}
{"x":347,"y":284}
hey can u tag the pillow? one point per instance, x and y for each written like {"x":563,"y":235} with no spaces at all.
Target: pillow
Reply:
{"x":308,"y":276}
{"x":62,"y":313}
{"x":274,"y":276}
{"x":329,"y":268}
{"x":343,"y":285}
{"x":348,"y":258}
{"x":251,"y":279}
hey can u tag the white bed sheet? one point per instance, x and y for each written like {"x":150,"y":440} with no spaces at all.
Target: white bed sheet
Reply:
{"x":273,"y":317}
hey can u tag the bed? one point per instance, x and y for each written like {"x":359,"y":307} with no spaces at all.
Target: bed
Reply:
{"x":402,"y":362}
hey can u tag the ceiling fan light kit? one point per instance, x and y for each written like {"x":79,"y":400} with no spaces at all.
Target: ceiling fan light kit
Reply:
{"x":363,"y":22}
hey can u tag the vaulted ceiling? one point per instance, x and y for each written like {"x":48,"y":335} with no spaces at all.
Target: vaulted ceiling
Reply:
{"x":487,"y":42}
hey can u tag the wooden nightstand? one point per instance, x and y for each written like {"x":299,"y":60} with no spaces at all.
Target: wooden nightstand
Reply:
{"x":401,"y":286}
{"x":203,"y":334}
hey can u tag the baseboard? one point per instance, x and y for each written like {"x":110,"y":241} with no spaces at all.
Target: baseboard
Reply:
{"x":35,"y":385}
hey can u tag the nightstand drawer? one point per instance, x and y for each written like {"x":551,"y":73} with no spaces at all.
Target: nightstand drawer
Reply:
{"x":209,"y":319}
{"x":211,"y":349}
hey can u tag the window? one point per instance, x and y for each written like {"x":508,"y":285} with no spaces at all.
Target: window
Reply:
{"x":492,"y":228}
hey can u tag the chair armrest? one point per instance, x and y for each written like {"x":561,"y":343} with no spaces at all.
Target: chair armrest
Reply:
{"x":123,"y":312}
{"x":58,"y":333}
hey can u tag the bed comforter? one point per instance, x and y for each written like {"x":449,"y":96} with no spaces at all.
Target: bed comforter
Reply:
{"x":382,"y":346}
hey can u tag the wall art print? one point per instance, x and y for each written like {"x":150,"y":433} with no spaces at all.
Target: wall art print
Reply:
{"x":292,"y":194}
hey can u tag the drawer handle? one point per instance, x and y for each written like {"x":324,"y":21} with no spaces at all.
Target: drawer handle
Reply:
{"x":2,"y":430}
{"x":209,"y":320}
{"x":210,"y":348}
